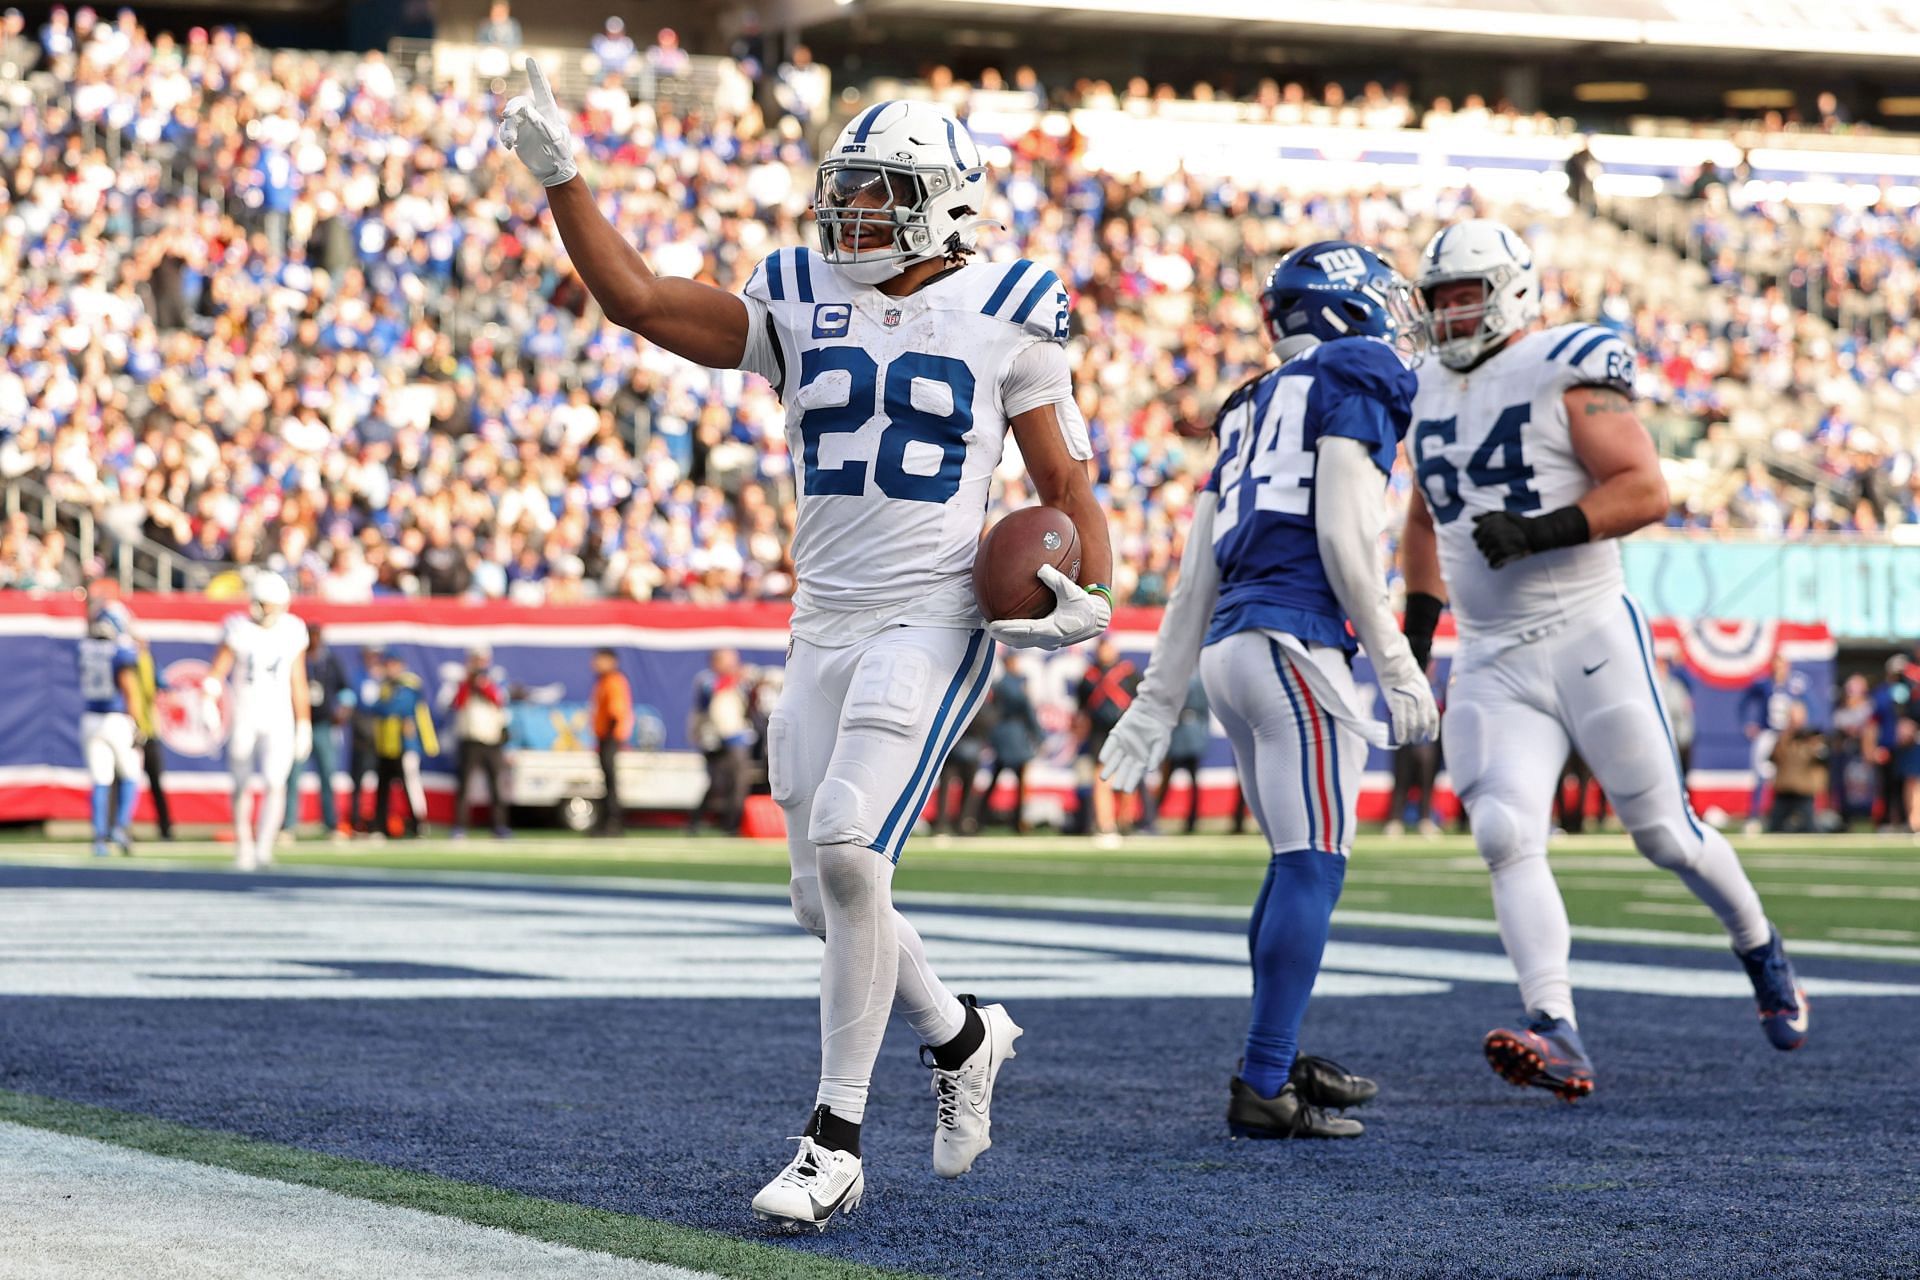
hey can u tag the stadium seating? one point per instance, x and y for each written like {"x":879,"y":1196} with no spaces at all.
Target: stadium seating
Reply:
{"x":291,"y":310}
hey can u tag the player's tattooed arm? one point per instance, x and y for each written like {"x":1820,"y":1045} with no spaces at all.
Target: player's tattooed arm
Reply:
{"x":696,"y":321}
{"x":1629,"y":492}
{"x":1062,"y":482}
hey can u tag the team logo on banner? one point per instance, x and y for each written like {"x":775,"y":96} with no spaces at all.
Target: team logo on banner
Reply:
{"x":180,"y":710}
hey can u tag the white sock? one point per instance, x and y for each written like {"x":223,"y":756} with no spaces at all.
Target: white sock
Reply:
{"x":1535,"y":933}
{"x":857,"y":974}
{"x":935,"y":1013}
{"x":1719,"y":881}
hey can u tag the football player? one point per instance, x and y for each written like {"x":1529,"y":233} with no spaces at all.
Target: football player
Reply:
{"x":1530,"y":461}
{"x":1283,"y":553}
{"x":904,"y":362}
{"x":264,"y":650}
{"x":109,"y":691}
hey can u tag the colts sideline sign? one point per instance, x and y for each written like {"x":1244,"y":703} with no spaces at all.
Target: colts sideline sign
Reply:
{"x":546,"y":653}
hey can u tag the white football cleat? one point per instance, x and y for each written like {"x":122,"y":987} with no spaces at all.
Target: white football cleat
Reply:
{"x":817,"y":1184}
{"x":243,"y":855}
{"x":963,"y":1097}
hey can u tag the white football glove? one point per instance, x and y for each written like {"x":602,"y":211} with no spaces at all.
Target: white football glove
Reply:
{"x":1410,"y":706}
{"x":210,"y":704}
{"x":302,"y":740}
{"x":534,"y":128}
{"x":1078,"y":614}
{"x":1135,"y":747}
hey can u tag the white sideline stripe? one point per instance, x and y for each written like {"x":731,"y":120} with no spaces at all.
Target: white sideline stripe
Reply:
{"x":640,"y":885}
{"x":75,"y":1209}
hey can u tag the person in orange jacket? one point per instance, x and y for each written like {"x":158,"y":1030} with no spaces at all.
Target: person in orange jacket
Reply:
{"x":612,"y":711}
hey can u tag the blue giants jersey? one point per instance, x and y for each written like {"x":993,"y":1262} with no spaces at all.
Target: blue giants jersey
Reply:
{"x":1264,"y":541}
{"x":101,"y":662}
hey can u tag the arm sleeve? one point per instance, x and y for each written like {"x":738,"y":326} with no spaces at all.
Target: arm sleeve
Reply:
{"x":1039,"y":375}
{"x":1347,"y":522}
{"x":1163,"y":691}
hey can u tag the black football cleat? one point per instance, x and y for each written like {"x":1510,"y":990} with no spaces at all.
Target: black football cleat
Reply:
{"x":1325,"y":1083}
{"x":1285,"y":1115}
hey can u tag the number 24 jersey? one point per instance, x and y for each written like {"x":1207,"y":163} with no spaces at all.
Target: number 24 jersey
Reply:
{"x":897,"y":413}
{"x":1497,"y":438}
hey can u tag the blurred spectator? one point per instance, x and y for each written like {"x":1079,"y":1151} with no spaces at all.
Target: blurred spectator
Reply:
{"x":611,"y":713}
{"x":1893,"y":702}
{"x":1764,"y":709}
{"x":152,"y":750}
{"x":953,"y":792}
{"x":1014,"y":738}
{"x":363,"y":761}
{"x":402,"y":733}
{"x":614,"y":48}
{"x":1799,"y":758}
{"x":327,"y":691}
{"x":480,"y":735}
{"x":806,"y":88}
{"x":1185,"y":750}
{"x":1105,"y":692}
{"x":1853,"y":736}
{"x":17,"y":49}
{"x":666,"y":58}
{"x":501,"y":28}
{"x":723,"y":731}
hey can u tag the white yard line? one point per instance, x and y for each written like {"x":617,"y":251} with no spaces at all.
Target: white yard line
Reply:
{"x":75,"y":1208}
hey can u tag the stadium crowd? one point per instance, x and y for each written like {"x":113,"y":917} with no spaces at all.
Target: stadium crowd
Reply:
{"x":294,"y":311}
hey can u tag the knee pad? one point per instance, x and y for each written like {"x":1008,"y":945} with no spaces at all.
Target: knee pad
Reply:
{"x":1665,"y":844}
{"x":804,"y":892}
{"x":843,"y":807}
{"x":848,"y":875}
{"x":1497,"y":834}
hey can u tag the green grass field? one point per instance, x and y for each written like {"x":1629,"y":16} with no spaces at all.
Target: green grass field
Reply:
{"x":1844,"y":889}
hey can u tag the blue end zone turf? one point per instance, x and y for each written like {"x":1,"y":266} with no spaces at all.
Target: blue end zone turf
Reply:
{"x":1705,"y":1153}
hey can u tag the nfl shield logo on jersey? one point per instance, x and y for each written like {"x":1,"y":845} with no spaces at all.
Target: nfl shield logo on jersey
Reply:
{"x":891,"y":318}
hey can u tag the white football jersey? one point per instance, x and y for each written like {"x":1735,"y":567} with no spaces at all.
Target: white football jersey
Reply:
{"x":1496,"y":438}
{"x":897,"y":412}
{"x":263,"y":661}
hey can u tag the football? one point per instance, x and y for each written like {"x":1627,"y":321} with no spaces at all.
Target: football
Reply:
{"x":1006,"y":572}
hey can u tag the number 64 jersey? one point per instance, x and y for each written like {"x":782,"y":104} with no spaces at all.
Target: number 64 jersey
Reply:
{"x":1497,"y":438}
{"x":897,"y":412}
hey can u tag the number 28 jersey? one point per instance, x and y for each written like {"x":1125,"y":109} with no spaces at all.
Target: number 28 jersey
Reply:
{"x":897,"y":412}
{"x":1496,"y":438}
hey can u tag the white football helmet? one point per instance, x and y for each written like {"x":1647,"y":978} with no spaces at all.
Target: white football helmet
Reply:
{"x":901,"y":184}
{"x":1484,"y":250}
{"x":270,"y":595}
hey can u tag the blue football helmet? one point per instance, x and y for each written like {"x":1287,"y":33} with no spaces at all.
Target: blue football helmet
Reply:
{"x":1337,"y":289}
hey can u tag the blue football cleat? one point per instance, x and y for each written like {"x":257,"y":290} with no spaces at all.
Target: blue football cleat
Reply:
{"x":100,"y":848}
{"x":1782,"y":1000}
{"x":1545,"y":1054}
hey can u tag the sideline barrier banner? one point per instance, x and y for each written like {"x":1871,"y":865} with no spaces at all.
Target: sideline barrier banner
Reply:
{"x":545,"y":654}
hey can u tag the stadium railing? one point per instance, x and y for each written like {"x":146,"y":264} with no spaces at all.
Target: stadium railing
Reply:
{"x":137,"y":564}
{"x":475,"y":68}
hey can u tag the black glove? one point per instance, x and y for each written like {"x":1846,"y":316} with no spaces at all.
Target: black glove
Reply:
{"x":1504,"y":537}
{"x":1422,"y":618}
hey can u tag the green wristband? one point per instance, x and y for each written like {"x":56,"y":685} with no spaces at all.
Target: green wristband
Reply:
{"x":1100,"y":589}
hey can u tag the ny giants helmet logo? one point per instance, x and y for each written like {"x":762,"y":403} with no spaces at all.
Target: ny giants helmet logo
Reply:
{"x":1341,"y":266}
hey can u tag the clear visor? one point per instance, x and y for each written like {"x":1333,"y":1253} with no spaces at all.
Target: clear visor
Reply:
{"x":869,"y":188}
{"x":1408,"y":312}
